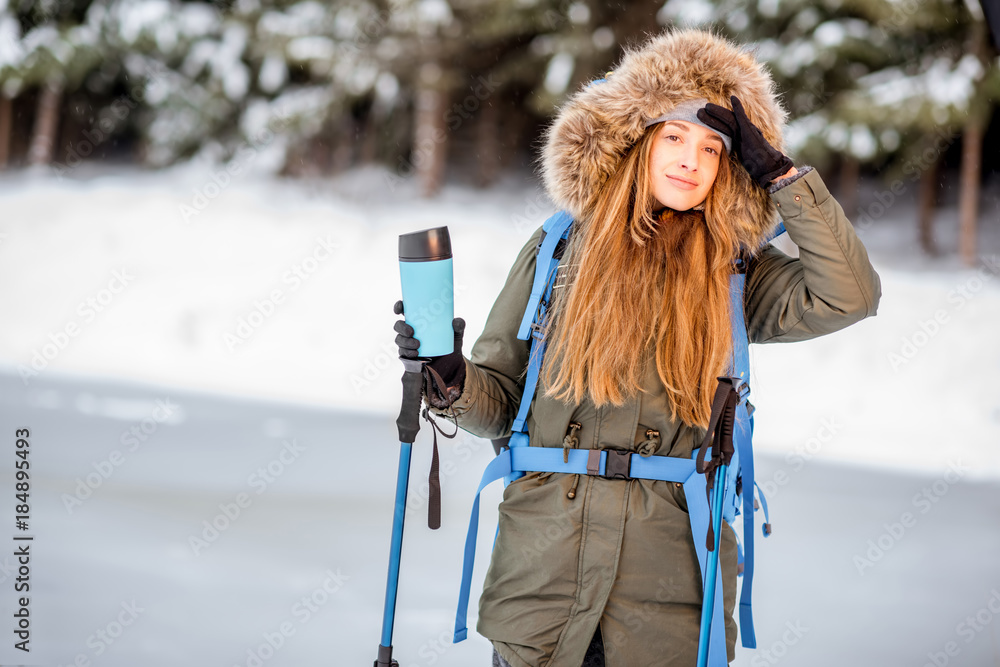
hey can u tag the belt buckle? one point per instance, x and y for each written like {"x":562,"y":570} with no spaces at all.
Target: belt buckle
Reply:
{"x":617,"y":464}
{"x":742,"y":389}
{"x":538,"y":329}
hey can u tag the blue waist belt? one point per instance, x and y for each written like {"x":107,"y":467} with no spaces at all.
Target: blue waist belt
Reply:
{"x":610,"y":464}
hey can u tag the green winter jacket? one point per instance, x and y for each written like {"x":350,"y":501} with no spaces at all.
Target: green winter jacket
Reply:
{"x":621,"y":553}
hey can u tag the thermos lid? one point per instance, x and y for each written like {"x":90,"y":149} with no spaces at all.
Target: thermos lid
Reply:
{"x":427,"y":245}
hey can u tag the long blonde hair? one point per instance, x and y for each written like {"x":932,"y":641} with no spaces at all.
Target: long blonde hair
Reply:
{"x":637,"y":277}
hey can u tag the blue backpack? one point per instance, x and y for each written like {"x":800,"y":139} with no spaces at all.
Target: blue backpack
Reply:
{"x":738,"y":489}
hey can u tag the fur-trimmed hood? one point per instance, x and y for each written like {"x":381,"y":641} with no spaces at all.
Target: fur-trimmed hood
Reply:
{"x":595,"y":128}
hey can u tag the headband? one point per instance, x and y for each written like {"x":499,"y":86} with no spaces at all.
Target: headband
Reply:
{"x":688,"y":111}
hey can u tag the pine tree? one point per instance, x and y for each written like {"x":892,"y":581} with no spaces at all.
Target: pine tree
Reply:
{"x":942,"y":85}
{"x":878,"y":83}
{"x":47,"y":47}
{"x":815,"y":51}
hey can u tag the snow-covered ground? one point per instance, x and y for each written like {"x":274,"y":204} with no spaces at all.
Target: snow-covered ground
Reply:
{"x":115,"y":296}
{"x":159,"y":561}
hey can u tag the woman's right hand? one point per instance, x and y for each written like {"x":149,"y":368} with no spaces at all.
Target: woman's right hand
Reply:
{"x":444,"y":376}
{"x":407,"y":344}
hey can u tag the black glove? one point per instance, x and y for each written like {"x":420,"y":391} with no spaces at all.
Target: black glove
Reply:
{"x":444,"y":376}
{"x":762,"y":161}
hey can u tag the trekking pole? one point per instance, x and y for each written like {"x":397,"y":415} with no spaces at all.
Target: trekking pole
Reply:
{"x":708,"y":601}
{"x":425,"y":270}
{"x":718,"y":438}
{"x":408,"y":424}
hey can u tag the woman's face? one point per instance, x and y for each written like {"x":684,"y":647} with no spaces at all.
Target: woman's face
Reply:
{"x":683,"y":163}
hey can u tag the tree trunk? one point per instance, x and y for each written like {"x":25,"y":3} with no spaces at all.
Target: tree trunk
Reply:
{"x":972,"y":157}
{"x":46,"y":124}
{"x":294,"y":161}
{"x":927,"y":202}
{"x":487,"y":146}
{"x":968,"y":202}
{"x":850,"y":170}
{"x":6,"y":114}
{"x":368,"y":152}
{"x":430,"y":149}
{"x":342,"y":138}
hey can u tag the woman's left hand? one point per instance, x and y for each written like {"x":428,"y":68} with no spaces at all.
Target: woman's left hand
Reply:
{"x":762,"y":161}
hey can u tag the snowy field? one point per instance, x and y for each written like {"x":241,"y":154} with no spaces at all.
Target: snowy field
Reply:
{"x":262,"y":311}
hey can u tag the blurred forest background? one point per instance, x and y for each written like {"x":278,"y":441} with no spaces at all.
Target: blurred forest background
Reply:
{"x":905,"y":90}
{"x":337,"y":126}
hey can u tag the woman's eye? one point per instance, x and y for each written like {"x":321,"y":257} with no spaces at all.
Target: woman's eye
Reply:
{"x":714,"y":152}
{"x":673,"y":136}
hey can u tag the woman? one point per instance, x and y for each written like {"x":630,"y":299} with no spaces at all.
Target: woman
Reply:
{"x":672,"y":168}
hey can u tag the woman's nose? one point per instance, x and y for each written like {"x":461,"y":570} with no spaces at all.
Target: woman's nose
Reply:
{"x":689,"y":158}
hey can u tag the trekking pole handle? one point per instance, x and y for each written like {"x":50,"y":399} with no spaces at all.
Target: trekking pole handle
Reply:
{"x":408,"y":421}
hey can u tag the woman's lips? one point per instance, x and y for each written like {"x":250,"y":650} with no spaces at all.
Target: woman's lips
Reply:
{"x":681,"y":183}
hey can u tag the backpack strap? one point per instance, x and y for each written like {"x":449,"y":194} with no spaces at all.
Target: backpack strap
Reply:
{"x":743,"y":441}
{"x":556,"y":228}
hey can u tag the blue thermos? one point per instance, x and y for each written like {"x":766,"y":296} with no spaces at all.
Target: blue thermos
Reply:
{"x":425,"y":272}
